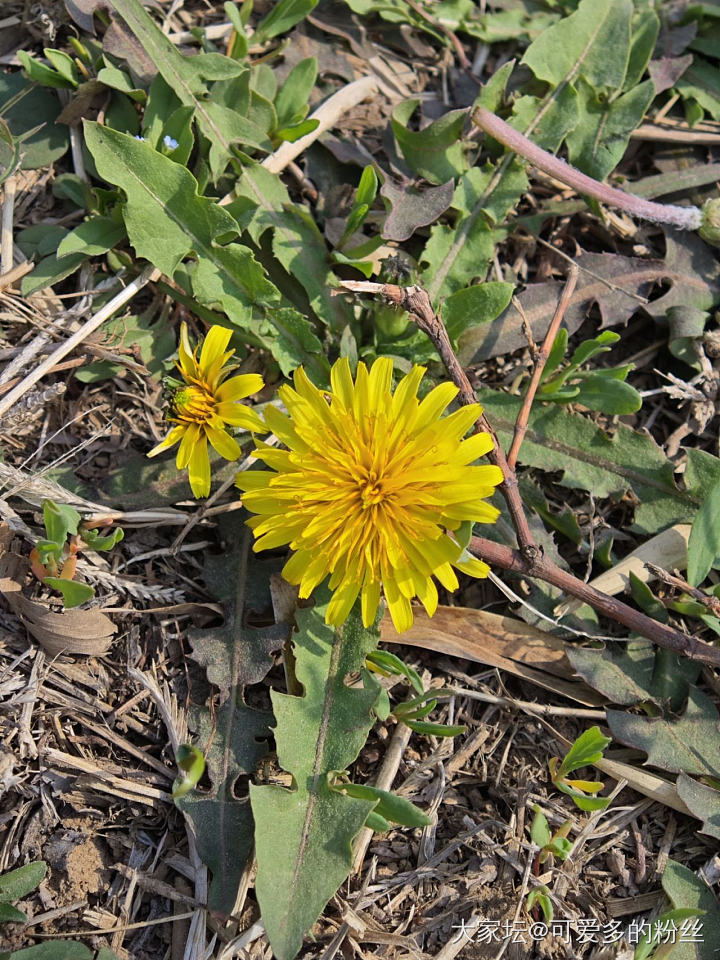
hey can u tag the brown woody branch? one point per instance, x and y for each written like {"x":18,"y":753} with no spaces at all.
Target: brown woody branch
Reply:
{"x":543,"y":569}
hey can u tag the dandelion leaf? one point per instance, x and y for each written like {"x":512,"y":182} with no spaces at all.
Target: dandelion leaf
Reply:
{"x":626,"y":462}
{"x":186,"y":78}
{"x":303,"y":835}
{"x":222,"y":819}
{"x":698,"y":938}
{"x":702,"y":801}
{"x":234,"y":655}
{"x":296,"y":240}
{"x":687,"y":744}
{"x":167,"y":220}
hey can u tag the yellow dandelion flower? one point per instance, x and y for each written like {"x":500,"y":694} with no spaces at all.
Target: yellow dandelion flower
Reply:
{"x":369,"y":488}
{"x":206,"y":405}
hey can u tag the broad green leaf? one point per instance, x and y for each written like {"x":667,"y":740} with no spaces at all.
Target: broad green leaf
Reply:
{"x":492,"y":93}
{"x":590,"y":459}
{"x":18,"y":883}
{"x":92,"y":238}
{"x":10,"y":914}
{"x":167,"y":220}
{"x":49,"y":271}
{"x":46,"y":76}
{"x":297,"y":344}
{"x":594,"y":41}
{"x":26,"y":107}
{"x":60,"y":520}
{"x":282,"y":17}
{"x":297,"y":242}
{"x":118,"y":79}
{"x":628,"y":675}
{"x":435,"y":152}
{"x":704,"y":542}
{"x":703,"y":802}
{"x":185,"y":77}
{"x":303,"y":835}
{"x":456,"y":256}
{"x":598,"y":142}
{"x":74,"y":593}
{"x":549,"y":122}
{"x":465,"y":312}
{"x":608,"y":395}
{"x":686,"y":744}
{"x":233,"y":736}
{"x":154,"y":341}
{"x":165,"y":216}
{"x":473,"y":306}
{"x":63,"y":63}
{"x":293,"y":98}
{"x":646,"y":26}
{"x":297,"y":131}
{"x":698,"y":938}
{"x":588,"y":748}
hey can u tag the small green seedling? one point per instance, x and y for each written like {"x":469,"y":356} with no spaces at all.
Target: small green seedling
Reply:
{"x":54,"y":559}
{"x":191,"y":764}
{"x":587,"y":749}
{"x":540,"y":897}
{"x":550,"y":844}
{"x":389,"y":809}
{"x":603,"y":389}
{"x":411,"y":712}
{"x":555,"y":844}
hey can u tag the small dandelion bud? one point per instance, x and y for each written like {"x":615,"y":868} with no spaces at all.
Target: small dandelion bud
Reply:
{"x":710,"y":226}
{"x":170,"y":142}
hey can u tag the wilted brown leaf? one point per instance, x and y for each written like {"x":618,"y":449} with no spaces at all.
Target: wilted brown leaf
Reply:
{"x":502,"y":642}
{"x":85,"y":632}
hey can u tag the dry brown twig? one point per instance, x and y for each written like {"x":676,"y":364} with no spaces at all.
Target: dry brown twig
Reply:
{"x":529,"y":558}
{"x":540,"y":361}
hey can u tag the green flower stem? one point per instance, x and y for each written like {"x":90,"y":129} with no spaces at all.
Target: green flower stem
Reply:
{"x":685,"y":218}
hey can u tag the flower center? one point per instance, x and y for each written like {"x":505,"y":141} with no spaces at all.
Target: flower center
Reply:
{"x":193,"y":403}
{"x":372,"y":490}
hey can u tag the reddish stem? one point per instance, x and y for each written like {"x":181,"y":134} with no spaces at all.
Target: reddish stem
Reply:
{"x":686,"y":218}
